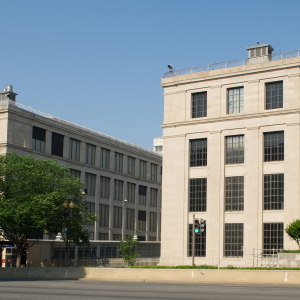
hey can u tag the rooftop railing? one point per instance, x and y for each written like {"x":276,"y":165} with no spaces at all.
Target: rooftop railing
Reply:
{"x":232,"y":63}
{"x":46,"y":115}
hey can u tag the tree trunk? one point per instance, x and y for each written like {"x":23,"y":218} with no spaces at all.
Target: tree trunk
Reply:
{"x":18,"y":261}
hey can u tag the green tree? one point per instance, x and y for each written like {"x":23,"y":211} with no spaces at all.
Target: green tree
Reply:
{"x":293,"y":230}
{"x":32,"y":194}
{"x":127,"y":249}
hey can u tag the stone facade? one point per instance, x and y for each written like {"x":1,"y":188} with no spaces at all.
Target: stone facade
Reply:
{"x":179,"y":128}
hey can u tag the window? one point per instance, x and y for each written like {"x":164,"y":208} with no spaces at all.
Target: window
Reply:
{"x":60,"y":252}
{"x":274,"y":95}
{"x":236,"y":100}
{"x":235,"y":149}
{"x":91,"y":209}
{"x":103,"y":237}
{"x":57,"y":144}
{"x":200,"y":243}
{"x":108,"y":251}
{"x":158,"y":148}
{"x":153,"y":197}
{"x":90,"y":180}
{"x":118,"y":191}
{"x":87,"y":252}
{"x":234,"y":194}
{"x":199,"y":109}
{"x":130,"y":216}
{"x":274,"y":146}
{"x":273,"y":237}
{"x":104,"y":187}
{"x":90,"y":153}
{"x":143,"y":169}
{"x":141,"y":238}
{"x":131,"y":166}
{"x":117,"y":217}
{"x":198,"y":188}
{"x":105,"y":158}
{"x":103,"y":215}
{"x":198,"y":153}
{"x":273,"y":191}
{"x":142,"y":220}
{"x":75,"y":173}
{"x":117,"y":237}
{"x":118,"y":162}
{"x":38,"y":139}
{"x":152,"y":238}
{"x":131,"y":192}
{"x":153,"y":172}
{"x":153,"y":221}
{"x":234,"y":239}
{"x":74,"y":150}
{"x":142,"y":194}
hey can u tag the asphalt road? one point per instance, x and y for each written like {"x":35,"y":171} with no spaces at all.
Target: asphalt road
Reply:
{"x":90,"y":290}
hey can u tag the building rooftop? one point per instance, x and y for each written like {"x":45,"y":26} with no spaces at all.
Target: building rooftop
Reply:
{"x":46,"y":115}
{"x":234,"y":63}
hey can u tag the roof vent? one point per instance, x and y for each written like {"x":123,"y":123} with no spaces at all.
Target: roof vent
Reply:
{"x":259,"y":53}
{"x":8,"y":94}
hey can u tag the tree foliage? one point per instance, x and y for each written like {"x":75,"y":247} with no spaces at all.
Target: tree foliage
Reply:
{"x":32,"y":194}
{"x":293,"y":230}
{"x":127,"y":249}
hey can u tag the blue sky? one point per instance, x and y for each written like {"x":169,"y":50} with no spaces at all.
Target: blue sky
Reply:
{"x":100,"y":63}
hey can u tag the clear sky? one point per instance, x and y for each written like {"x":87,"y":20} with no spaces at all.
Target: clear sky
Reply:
{"x":100,"y":63}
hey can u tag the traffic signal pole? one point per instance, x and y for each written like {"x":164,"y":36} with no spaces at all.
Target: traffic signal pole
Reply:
{"x":193,"y":247}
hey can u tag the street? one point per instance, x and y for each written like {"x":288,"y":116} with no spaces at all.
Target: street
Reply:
{"x":73,"y":289}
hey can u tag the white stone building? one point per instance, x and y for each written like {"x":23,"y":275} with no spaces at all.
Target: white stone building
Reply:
{"x":112,"y":170}
{"x":231,"y":136}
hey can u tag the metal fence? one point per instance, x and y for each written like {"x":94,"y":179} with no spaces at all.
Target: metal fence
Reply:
{"x":232,"y":63}
{"x":108,"y":263}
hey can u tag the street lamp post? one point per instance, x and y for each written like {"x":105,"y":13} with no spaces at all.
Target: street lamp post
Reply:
{"x":67,"y":215}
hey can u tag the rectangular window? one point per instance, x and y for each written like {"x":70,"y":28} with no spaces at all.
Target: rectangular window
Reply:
{"x":75,"y":173}
{"x":105,"y":158}
{"x":103,"y":215}
{"x":116,"y":237}
{"x":91,"y":209}
{"x":200,"y":243}
{"x":74,"y":150}
{"x":87,"y":252}
{"x":234,"y":239}
{"x":273,"y":237}
{"x":153,"y":172}
{"x":90,"y":181}
{"x":38,"y":139}
{"x":199,"y":109}
{"x":153,"y":221}
{"x":141,"y":238}
{"x":118,"y":162}
{"x":118,"y":191}
{"x":142,"y":194}
{"x":198,"y":188}
{"x":90,"y":154}
{"x":143,"y":169}
{"x":198,"y":153}
{"x":57,"y":144}
{"x":131,"y":192}
{"x":104,"y":187}
{"x":117,"y":217}
{"x":236,"y":100}
{"x":103,"y":236}
{"x":274,"y":146}
{"x":130,"y":218}
{"x":235,"y":149}
{"x":153,"y":197}
{"x":274,"y":191}
{"x":152,"y":238}
{"x":142,"y":220}
{"x":274,"y":95}
{"x":234,"y":193}
{"x":131,"y":166}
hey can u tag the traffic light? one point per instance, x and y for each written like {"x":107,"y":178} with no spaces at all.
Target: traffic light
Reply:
{"x":202,"y":225}
{"x":196,"y":226}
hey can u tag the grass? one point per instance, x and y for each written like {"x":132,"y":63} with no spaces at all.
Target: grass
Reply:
{"x":290,"y":251}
